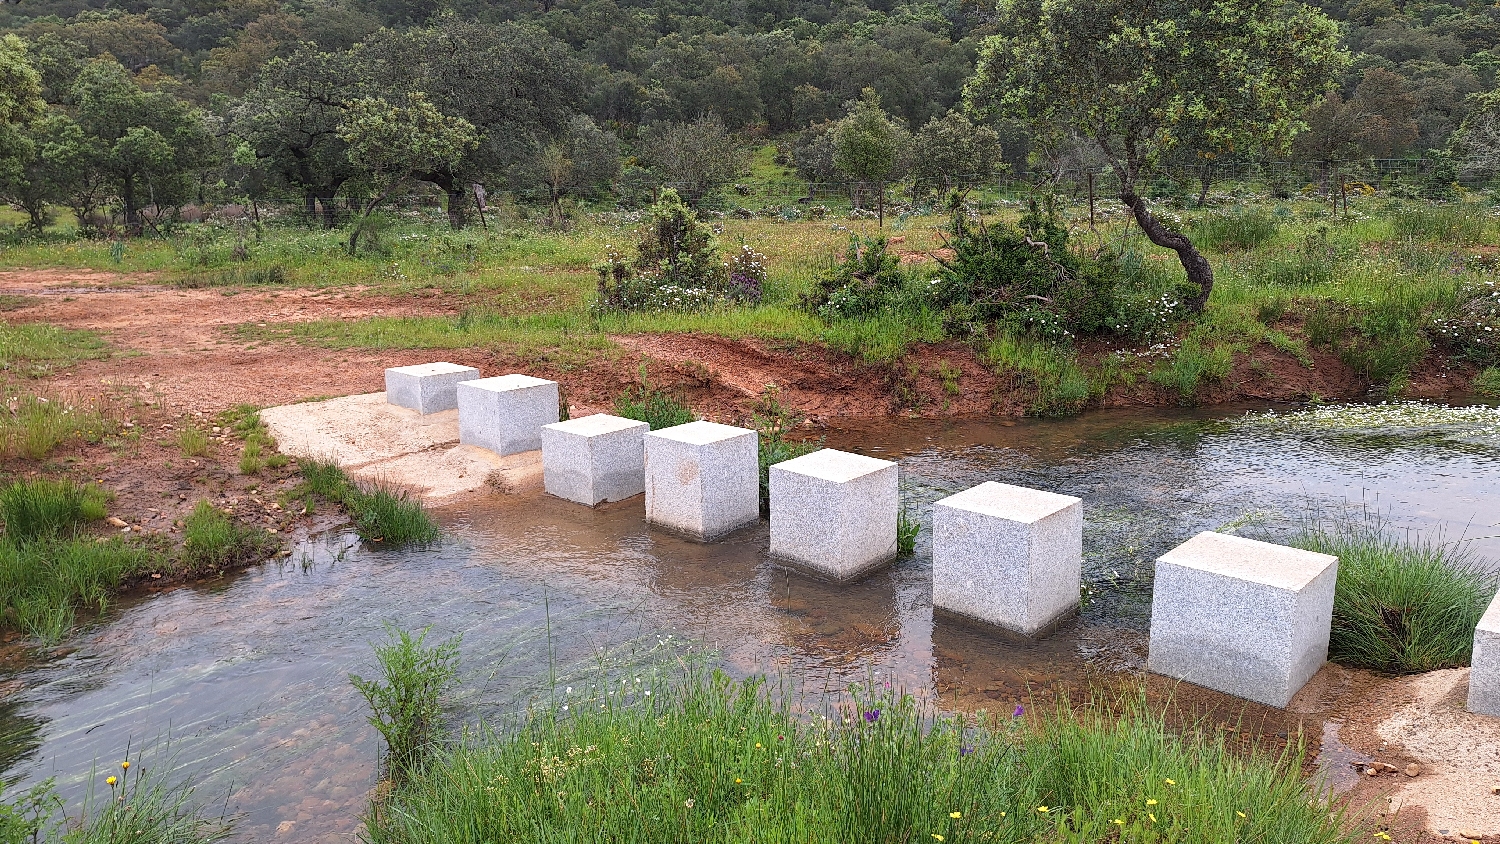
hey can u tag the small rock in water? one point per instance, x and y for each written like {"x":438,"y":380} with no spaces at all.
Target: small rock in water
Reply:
{"x":1413,"y":769}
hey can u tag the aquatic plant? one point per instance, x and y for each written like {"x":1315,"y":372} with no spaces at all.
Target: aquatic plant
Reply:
{"x":908,"y":528}
{"x":1476,"y":424}
{"x":213,"y":542}
{"x":406,"y":702}
{"x":1401,"y":605}
{"x":698,"y":757}
{"x":772,"y":421}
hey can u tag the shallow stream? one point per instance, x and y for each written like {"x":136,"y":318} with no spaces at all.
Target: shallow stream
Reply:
{"x":242,"y":685}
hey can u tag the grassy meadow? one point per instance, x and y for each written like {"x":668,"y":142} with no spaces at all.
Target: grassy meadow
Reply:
{"x":1383,"y":286}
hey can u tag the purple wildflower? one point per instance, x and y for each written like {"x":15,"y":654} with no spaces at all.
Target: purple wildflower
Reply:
{"x":1020,"y":710}
{"x":965,"y":750}
{"x":872,"y":716}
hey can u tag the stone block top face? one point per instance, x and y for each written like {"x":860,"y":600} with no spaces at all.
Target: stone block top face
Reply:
{"x":1251,"y":560}
{"x":1490,"y":623}
{"x":501,"y":383}
{"x":701,"y":433}
{"x":595,"y":425}
{"x":1013,"y":503}
{"x":421,"y":370}
{"x":832,"y":465}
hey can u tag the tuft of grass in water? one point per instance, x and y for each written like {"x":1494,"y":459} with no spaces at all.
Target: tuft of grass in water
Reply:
{"x":380,"y":514}
{"x":1487,"y":383}
{"x":35,"y":425}
{"x":908,"y":528}
{"x":35,"y":350}
{"x":1401,"y":606}
{"x":406,"y":701}
{"x":655,"y":407}
{"x":44,"y":582}
{"x":192,"y":442}
{"x":130,"y":805}
{"x":213,"y":542}
{"x":699,"y":757}
{"x":1191,"y":364}
{"x":772,"y":421}
{"x":43,"y":508}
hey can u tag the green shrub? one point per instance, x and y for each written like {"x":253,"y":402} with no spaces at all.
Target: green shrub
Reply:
{"x":1459,"y":223}
{"x":1401,"y":606}
{"x":1026,"y":277}
{"x":43,"y":508}
{"x":1191,"y":364}
{"x":1487,"y":383}
{"x":406,"y":702}
{"x":213,"y":542}
{"x":655,"y":407}
{"x":707,"y":759}
{"x":677,"y":266}
{"x":863,"y":283}
{"x":1244,"y":229}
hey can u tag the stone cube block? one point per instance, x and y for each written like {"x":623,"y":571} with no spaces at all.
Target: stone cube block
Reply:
{"x":702,"y":479}
{"x":506,"y":414}
{"x":1007,"y":556}
{"x":426,"y":387}
{"x":834,"y":513}
{"x":1244,"y":617}
{"x":595,"y":459}
{"x":1484,"y":675}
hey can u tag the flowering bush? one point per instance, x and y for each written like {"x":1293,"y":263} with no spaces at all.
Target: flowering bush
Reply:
{"x":1474,"y":331}
{"x":677,"y":266}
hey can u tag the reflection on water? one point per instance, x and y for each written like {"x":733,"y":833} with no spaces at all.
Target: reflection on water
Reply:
{"x":248,"y":677}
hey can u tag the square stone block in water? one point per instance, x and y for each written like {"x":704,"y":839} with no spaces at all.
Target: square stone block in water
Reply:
{"x":426,"y":387}
{"x":1244,"y":617}
{"x":506,"y":414}
{"x":1484,"y":676}
{"x":834,"y":513}
{"x":595,"y":459}
{"x":702,"y":479}
{"x":1008,"y":556}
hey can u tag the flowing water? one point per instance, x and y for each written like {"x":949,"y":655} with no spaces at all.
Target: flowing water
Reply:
{"x":242,"y":685}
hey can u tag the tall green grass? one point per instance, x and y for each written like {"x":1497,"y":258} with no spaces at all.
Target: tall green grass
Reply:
{"x":380,"y":514}
{"x":43,"y":508}
{"x":44,"y":583}
{"x":1457,"y":223}
{"x":1193,"y":363}
{"x":1240,"y":229}
{"x":1052,"y":374}
{"x":129,"y":805}
{"x":1487,"y":382}
{"x":32,"y":426}
{"x":1402,"y":606}
{"x":702,"y":758}
{"x":213,"y":542}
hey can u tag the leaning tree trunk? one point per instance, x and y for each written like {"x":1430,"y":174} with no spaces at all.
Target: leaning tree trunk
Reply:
{"x":1199,"y":272}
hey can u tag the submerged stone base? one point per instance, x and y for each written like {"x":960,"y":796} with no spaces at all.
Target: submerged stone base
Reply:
{"x":373,"y":440}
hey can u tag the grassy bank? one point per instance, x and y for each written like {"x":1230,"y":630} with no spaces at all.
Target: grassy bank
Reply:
{"x":380,"y":514}
{"x":703,"y":758}
{"x":129,"y":804}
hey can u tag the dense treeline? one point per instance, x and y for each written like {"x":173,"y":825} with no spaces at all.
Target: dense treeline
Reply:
{"x":153,"y":104}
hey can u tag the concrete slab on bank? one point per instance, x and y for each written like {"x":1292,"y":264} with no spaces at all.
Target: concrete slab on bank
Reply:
{"x":373,"y":440}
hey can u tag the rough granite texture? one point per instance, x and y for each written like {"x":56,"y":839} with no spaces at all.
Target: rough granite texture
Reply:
{"x":1008,"y":556}
{"x":702,"y":479}
{"x":1244,"y":617}
{"x":834,"y":513}
{"x":506,"y":414}
{"x":1484,"y":675}
{"x":595,"y":459}
{"x":426,"y":387}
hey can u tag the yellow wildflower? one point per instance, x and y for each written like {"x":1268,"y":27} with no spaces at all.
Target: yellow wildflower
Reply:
{"x":1150,"y":802}
{"x":938,"y":837}
{"x":738,"y":780}
{"x":110,"y":781}
{"x":1241,"y":814}
{"x":955,"y":815}
{"x":1043,"y":809}
{"x":1151,"y":816}
{"x":1171,"y":782}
